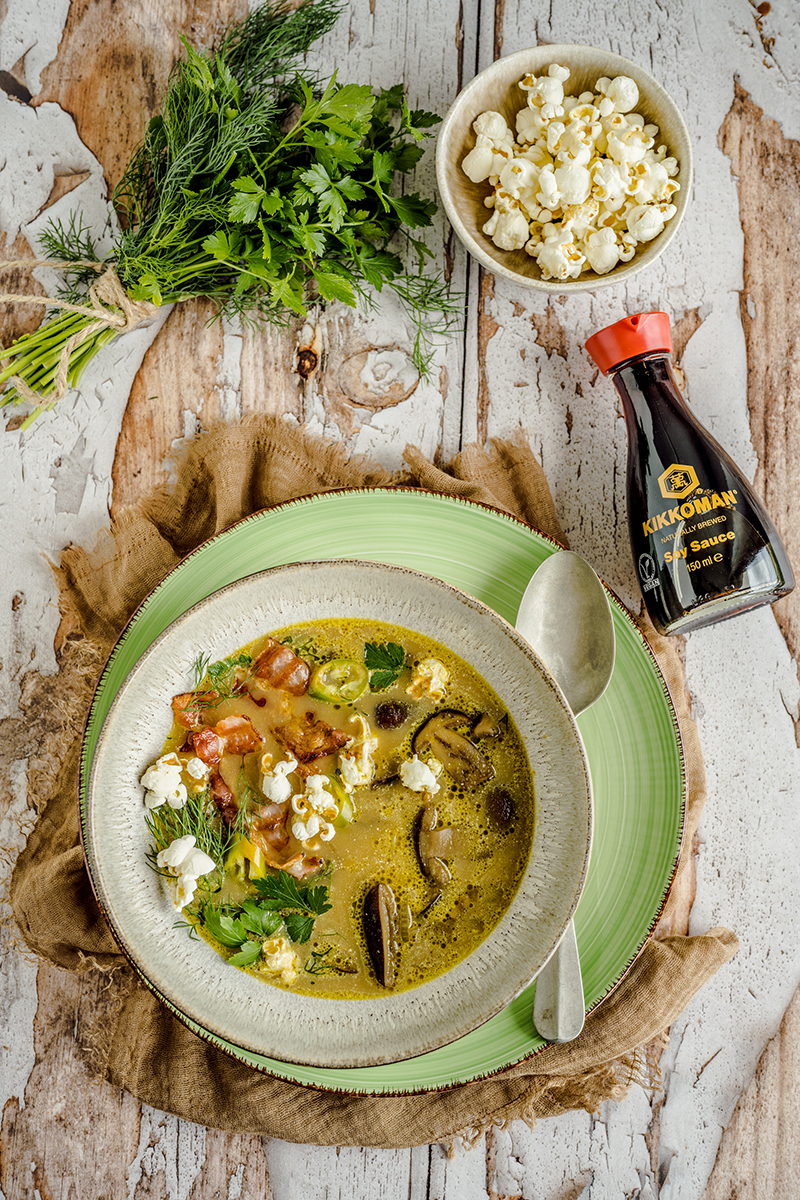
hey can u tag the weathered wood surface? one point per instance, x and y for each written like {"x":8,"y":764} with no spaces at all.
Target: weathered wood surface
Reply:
{"x":80,"y":78}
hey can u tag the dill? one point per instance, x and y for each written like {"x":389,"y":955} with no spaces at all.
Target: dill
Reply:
{"x":218,"y":681}
{"x":197,"y":816}
{"x":325,"y":961}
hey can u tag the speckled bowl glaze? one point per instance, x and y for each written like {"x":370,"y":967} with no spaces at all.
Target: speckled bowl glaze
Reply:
{"x":187,"y":973}
{"x":495,"y":89}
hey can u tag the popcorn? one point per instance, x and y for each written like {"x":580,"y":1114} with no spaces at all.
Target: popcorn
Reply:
{"x":530,"y":124}
{"x":479,"y":163}
{"x":646,"y":221}
{"x":429,"y":677}
{"x":580,"y":218}
{"x":574,"y":183}
{"x":183,"y":859}
{"x":548,"y":194}
{"x":628,"y":145}
{"x":419,"y":776}
{"x":316,"y":811}
{"x":519,"y":177}
{"x":583,"y":184}
{"x":163,"y":784}
{"x":610,"y":182}
{"x":198,"y":770}
{"x":508,"y":230}
{"x":280,"y":959}
{"x":575,"y":144}
{"x":492,"y":125}
{"x":622,"y":92}
{"x":357,"y":766}
{"x":274,"y":779}
{"x":602,"y":252}
{"x":558,"y":256}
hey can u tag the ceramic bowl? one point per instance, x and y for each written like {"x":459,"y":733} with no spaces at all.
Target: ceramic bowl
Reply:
{"x":496,"y":90}
{"x":230,"y":1004}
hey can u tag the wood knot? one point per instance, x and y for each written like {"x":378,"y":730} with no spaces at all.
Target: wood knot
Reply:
{"x":378,"y":377}
{"x":307,"y":360}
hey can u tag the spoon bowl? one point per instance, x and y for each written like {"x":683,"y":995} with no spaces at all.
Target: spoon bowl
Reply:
{"x":565,"y":616}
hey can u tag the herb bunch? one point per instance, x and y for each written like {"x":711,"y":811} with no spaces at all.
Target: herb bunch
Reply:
{"x":261,"y":189}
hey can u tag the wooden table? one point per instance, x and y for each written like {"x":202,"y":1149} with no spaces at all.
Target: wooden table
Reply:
{"x":78,"y":81}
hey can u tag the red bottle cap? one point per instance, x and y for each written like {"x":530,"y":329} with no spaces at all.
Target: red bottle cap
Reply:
{"x":642,"y":334}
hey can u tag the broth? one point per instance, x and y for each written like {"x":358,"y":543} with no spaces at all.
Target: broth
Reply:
{"x":448,"y":857}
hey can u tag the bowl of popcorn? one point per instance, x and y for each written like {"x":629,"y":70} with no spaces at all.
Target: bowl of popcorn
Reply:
{"x":564,"y":168}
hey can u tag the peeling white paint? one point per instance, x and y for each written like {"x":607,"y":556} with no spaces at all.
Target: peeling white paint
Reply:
{"x":37,"y":144}
{"x":31,"y":35}
{"x":170,"y":1148}
{"x":18,"y":997}
{"x":385,"y":369}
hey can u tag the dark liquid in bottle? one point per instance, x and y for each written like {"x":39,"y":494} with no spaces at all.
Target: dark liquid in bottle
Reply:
{"x":703,"y":545}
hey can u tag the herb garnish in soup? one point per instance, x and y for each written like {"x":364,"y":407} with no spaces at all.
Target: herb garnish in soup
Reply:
{"x":342,"y":807}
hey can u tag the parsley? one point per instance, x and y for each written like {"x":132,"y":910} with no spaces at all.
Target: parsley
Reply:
{"x":249,"y":953}
{"x":222,"y":926}
{"x":234,"y":931}
{"x":385,"y":662}
{"x":299,"y":906}
{"x":280,"y":903}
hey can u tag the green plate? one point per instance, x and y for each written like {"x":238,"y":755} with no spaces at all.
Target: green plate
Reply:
{"x":631,"y":736}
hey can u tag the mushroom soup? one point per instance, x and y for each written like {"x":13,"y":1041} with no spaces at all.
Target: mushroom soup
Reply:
{"x":341,"y":807}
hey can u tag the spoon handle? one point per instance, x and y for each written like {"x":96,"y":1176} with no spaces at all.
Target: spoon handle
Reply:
{"x":558,"y":1003}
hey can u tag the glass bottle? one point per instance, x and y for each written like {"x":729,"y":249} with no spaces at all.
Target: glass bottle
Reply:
{"x":703,"y":545}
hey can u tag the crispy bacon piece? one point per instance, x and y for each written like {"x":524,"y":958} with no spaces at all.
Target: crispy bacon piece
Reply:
{"x":300,"y":865}
{"x":308,"y":738}
{"x":280,"y":667}
{"x":239,"y":734}
{"x":272,"y":813}
{"x":223,"y":797}
{"x":208,"y":746}
{"x":303,"y":865}
{"x":188,"y":708}
{"x":270,"y":839}
{"x":231,"y":735}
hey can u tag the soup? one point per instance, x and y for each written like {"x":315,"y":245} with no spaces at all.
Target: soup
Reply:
{"x":342,"y":807}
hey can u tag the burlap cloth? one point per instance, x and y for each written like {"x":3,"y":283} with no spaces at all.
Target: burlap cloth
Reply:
{"x":136,"y":1043}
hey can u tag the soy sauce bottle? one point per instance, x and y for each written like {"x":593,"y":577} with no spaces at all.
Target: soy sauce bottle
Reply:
{"x":703,"y":546}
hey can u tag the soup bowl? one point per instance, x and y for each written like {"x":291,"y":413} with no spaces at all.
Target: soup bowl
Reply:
{"x":233,"y":1005}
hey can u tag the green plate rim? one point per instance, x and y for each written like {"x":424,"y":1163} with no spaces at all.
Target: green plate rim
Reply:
{"x":287,"y":1071}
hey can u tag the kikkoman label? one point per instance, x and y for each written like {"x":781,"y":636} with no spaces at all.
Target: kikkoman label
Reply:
{"x":677,"y":482}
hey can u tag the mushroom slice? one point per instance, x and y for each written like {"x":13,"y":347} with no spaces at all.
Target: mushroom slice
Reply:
{"x":500,"y":807}
{"x":459,"y":756}
{"x":439,"y":872}
{"x":382,"y":933}
{"x":431,"y":844}
{"x":485,"y":726}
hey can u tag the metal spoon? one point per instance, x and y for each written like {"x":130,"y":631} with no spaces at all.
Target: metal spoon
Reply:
{"x":565,"y":616}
